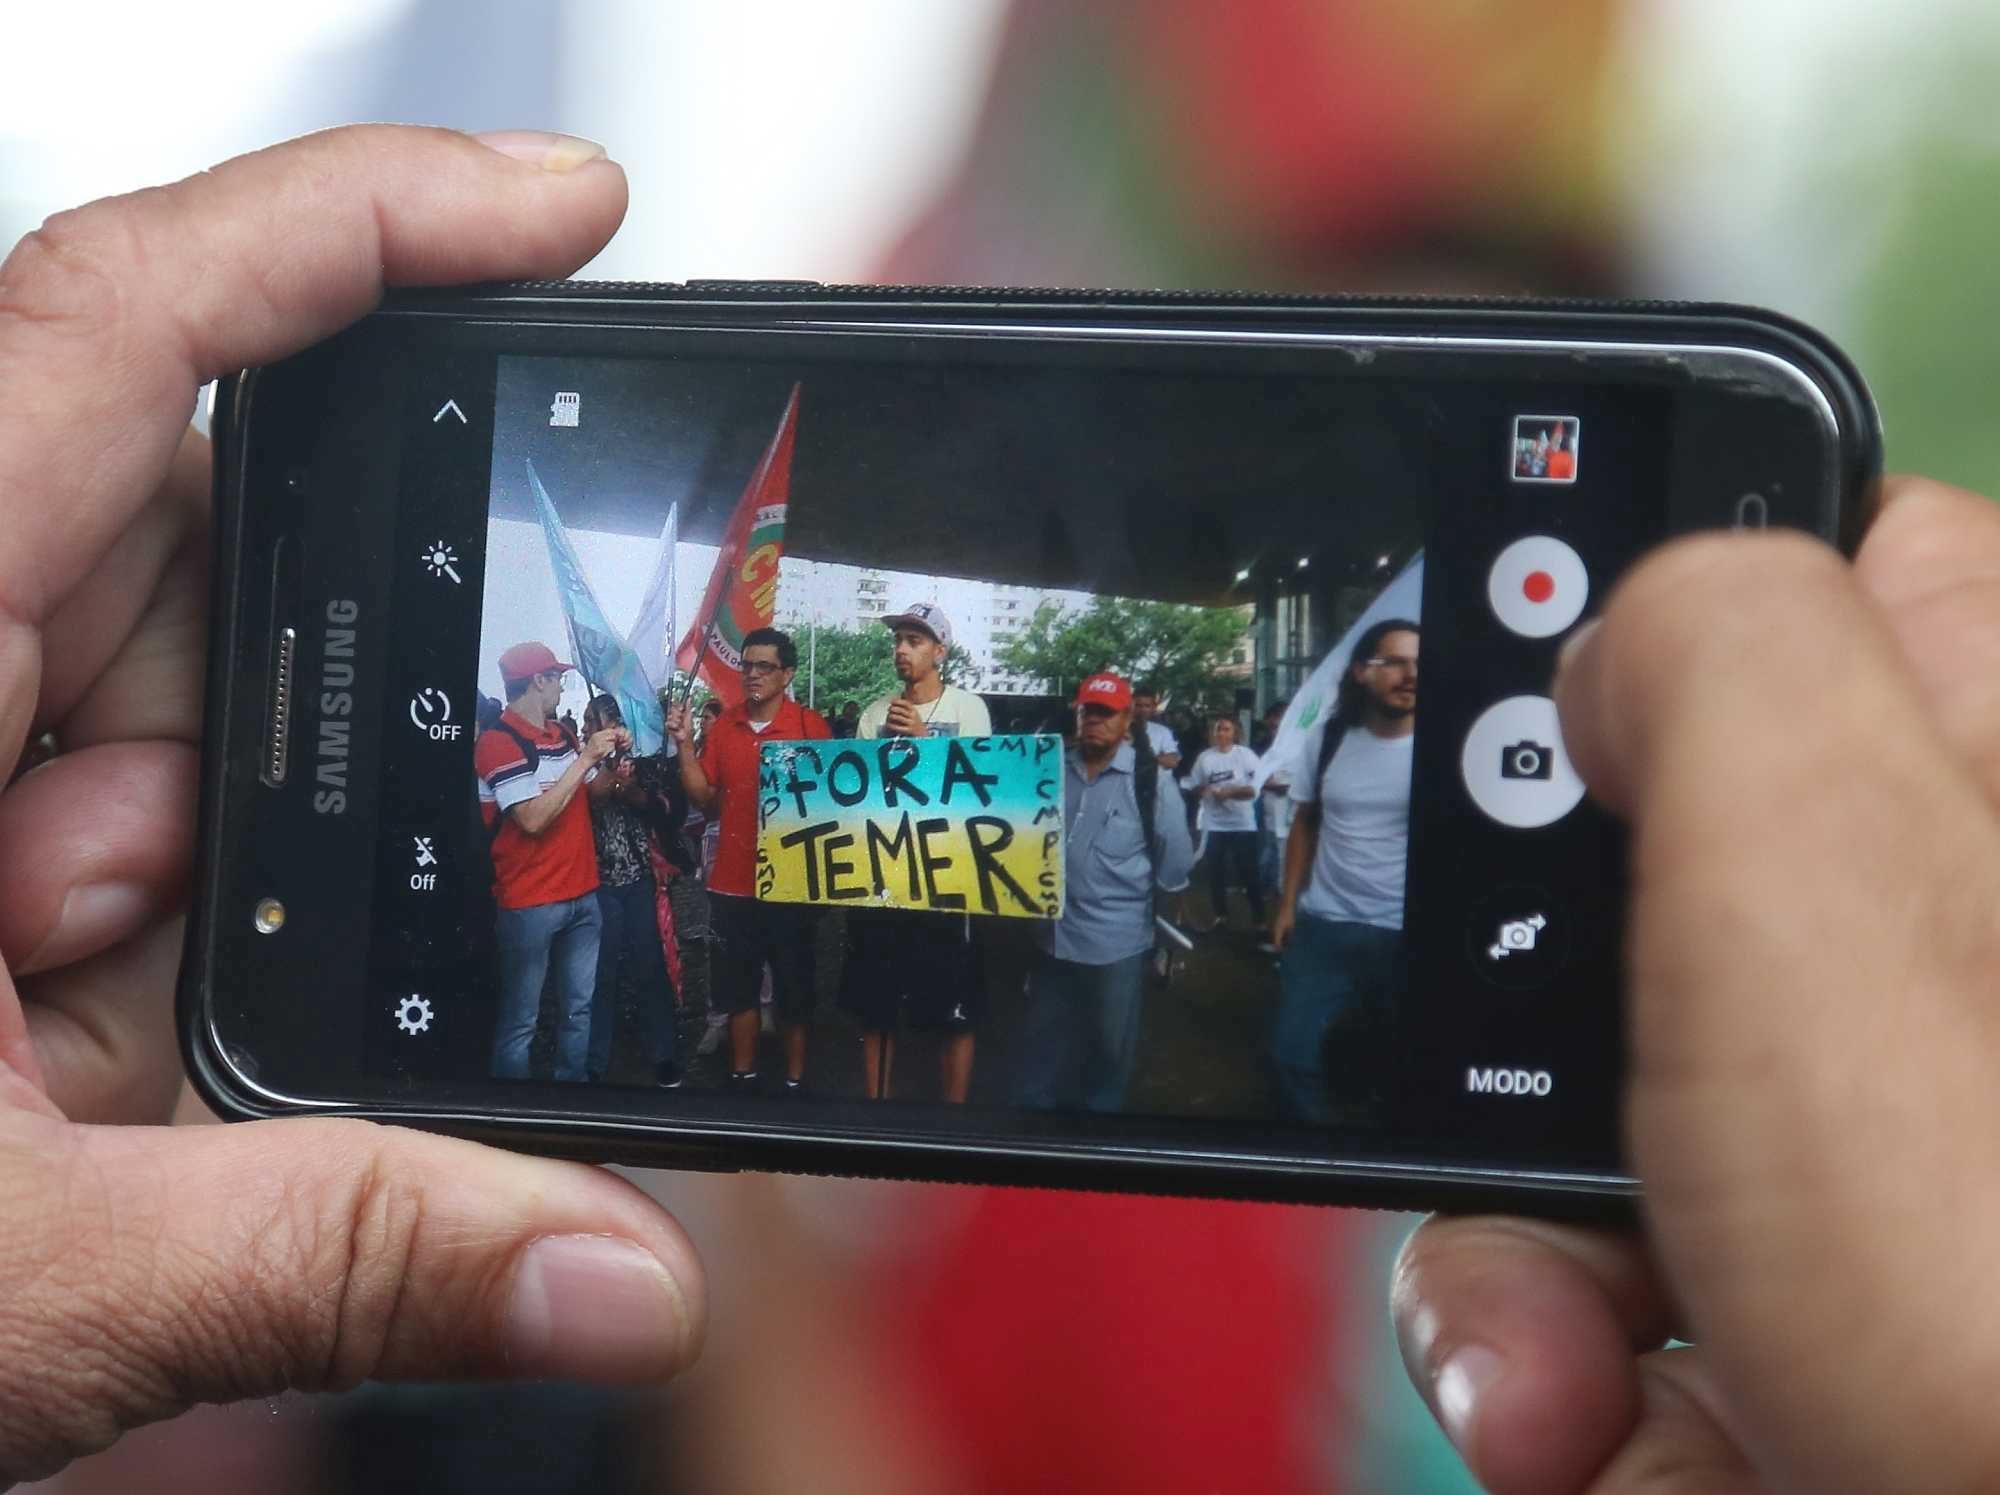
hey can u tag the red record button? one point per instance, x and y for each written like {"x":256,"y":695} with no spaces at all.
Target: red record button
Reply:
{"x":1538,"y":586}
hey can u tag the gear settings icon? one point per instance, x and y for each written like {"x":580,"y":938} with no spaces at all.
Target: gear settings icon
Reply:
{"x":413,"y":1014}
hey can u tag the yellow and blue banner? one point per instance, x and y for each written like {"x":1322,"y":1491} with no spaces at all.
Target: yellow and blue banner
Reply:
{"x":950,"y":824}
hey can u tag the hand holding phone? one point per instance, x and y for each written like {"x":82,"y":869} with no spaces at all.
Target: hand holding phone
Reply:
{"x":446,"y":1259}
{"x":1810,"y":757}
{"x":604,"y":743}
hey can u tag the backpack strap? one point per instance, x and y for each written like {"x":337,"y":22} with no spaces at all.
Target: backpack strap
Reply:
{"x":1330,"y":738}
{"x":533,"y":755}
{"x":1146,"y":788}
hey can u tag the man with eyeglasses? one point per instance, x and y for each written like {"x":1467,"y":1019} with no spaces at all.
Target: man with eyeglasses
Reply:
{"x":544,"y":860}
{"x":1339,"y":925}
{"x":751,"y":934}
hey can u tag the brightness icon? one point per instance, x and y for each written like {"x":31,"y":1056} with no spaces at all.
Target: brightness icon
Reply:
{"x":438,"y":558}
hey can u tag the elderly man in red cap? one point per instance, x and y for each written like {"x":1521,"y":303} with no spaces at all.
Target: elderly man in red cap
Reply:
{"x":544,"y":859}
{"x":1082,"y":1029}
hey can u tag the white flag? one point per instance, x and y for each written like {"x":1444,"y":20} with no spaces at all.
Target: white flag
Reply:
{"x":653,"y":629}
{"x":1317,"y":700}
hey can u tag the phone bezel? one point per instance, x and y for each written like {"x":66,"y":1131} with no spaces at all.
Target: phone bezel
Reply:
{"x":1723,"y":334}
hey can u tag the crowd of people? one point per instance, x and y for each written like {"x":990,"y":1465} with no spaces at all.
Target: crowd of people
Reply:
{"x":614,"y":873}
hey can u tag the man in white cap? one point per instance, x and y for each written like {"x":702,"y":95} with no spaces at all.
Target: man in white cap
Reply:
{"x":926,"y":706}
{"x":924,"y":968}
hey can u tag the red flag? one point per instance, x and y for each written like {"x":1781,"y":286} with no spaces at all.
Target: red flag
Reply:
{"x":743,"y":589}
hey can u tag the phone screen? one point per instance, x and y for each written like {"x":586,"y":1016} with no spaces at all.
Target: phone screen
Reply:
{"x":940,"y":624}
{"x":1008,"y":740}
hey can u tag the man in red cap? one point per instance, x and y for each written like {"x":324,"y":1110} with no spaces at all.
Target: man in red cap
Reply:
{"x":1081,"y":1033}
{"x":544,"y":859}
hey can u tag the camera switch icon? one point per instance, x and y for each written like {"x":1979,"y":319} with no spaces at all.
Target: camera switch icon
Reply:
{"x":1516,"y":935}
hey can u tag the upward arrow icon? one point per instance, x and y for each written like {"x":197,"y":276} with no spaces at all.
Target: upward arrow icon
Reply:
{"x":452,"y":406}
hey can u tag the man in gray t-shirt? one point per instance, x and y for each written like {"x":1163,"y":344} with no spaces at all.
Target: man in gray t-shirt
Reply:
{"x":1339,"y":925}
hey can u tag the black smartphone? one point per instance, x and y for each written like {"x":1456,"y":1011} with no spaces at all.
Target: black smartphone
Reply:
{"x":1154,"y":573}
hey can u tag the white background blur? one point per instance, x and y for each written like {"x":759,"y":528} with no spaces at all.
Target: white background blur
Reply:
{"x":1835,"y":159}
{"x":1789,"y":153}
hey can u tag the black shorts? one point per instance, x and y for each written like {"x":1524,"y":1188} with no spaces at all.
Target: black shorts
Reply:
{"x":910,"y":966}
{"x":750,"y":934}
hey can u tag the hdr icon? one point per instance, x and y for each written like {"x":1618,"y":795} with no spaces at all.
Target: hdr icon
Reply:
{"x":1530,"y":1082}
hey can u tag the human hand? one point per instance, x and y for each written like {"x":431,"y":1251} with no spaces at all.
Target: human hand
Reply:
{"x":145,"y":1268}
{"x":677,"y":723}
{"x":1809,"y":755}
{"x":904,"y":720}
{"x":1282,"y":919}
{"x":602,"y":743}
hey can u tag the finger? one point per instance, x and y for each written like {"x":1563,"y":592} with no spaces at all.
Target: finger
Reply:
{"x":114,"y":314}
{"x":1931,"y":562}
{"x":1678,"y":1446}
{"x":1522,"y":1337}
{"x":97,"y":845}
{"x":103,"y":1028}
{"x":1810,"y":958}
{"x":150,"y":1268}
{"x":145,"y":597}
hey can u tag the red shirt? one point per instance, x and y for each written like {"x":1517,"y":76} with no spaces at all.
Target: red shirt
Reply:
{"x":560,"y":863}
{"x":729,"y":757}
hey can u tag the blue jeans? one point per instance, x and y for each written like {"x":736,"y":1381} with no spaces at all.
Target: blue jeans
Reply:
{"x":631,"y":938}
{"x":1337,"y":986}
{"x":530,"y":939}
{"x":1081,"y":1033}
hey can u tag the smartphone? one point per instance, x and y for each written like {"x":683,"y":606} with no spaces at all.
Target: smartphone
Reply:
{"x":1120,"y":553}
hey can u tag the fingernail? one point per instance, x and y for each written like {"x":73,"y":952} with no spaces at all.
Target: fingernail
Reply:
{"x":543,"y":148}
{"x":1467,"y":1374}
{"x":93,"y":918}
{"x":1574,"y":645}
{"x":595,"y":1308}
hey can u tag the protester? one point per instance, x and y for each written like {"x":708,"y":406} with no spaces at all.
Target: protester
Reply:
{"x":1561,"y":460}
{"x":928,"y":969}
{"x":627,"y":899}
{"x":1274,"y":810}
{"x":1223,"y":780}
{"x":1080,"y":1035}
{"x":544,"y":860}
{"x":1145,"y":712}
{"x":751,"y":934}
{"x":849,"y":719}
{"x":1339,"y":925}
{"x":925,"y":706}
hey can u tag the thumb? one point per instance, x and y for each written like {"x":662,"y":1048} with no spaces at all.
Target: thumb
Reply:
{"x":143,"y":1269}
{"x":1810,"y":963}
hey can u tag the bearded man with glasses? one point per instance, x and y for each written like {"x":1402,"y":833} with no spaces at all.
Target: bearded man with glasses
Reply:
{"x":1339,"y":925}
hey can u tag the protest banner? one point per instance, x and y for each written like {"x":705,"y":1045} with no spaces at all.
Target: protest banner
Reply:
{"x":952,"y":824}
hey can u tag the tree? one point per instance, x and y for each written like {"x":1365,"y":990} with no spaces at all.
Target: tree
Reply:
{"x":1178,"y":648}
{"x":843,"y":664}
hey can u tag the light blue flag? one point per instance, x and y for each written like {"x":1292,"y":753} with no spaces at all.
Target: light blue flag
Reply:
{"x":605,"y":659}
{"x":1305,"y":719}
